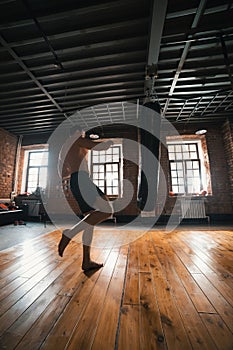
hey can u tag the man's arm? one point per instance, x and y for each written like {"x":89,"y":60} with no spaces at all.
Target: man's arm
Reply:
{"x":89,"y":144}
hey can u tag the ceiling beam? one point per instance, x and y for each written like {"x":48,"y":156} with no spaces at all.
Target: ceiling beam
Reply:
{"x":157,"y":23}
{"x":140,"y":22}
{"x":81,"y":11}
{"x":29,"y":73}
{"x":199,"y":13}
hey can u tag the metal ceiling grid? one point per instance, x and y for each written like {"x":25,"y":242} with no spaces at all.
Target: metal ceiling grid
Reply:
{"x":57,"y":57}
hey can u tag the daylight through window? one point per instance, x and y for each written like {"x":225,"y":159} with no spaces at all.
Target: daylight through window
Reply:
{"x":106,"y":170}
{"x":188,"y":175}
{"x":36,"y":170}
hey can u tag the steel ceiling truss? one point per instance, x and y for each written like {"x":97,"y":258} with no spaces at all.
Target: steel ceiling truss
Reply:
{"x":57,"y":60}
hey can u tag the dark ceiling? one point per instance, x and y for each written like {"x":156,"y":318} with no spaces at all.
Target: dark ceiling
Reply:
{"x":60,"y":56}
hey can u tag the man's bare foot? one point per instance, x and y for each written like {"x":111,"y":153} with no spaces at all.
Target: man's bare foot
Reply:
{"x":63,"y":243}
{"x":91,"y":265}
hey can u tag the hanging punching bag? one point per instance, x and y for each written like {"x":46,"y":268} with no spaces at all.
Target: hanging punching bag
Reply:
{"x":150,"y":141}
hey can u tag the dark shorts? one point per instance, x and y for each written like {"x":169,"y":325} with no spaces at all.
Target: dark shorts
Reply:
{"x":84,"y":190}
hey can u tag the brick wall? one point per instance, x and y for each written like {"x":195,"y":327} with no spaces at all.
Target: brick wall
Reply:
{"x":227,"y":131}
{"x":220,"y":201}
{"x":219,"y":149}
{"x":8,"y":147}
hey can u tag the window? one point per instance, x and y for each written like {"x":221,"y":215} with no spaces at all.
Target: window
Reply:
{"x":187,"y":171}
{"x":36,"y":172}
{"x":106,"y":170}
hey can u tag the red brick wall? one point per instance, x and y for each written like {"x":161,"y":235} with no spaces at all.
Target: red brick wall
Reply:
{"x":220,"y":150}
{"x":218,"y":146}
{"x":227,"y":130}
{"x":8,"y":147}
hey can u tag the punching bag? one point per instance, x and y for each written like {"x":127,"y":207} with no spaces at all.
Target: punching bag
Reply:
{"x":150,"y":142}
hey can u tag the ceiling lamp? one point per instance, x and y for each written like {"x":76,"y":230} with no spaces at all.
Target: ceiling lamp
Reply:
{"x":201,"y":132}
{"x":94,"y":136}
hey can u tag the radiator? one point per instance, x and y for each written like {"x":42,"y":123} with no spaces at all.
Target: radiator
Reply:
{"x":193,"y":208}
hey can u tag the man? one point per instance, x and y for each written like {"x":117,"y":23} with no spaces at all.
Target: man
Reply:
{"x":92,"y":202}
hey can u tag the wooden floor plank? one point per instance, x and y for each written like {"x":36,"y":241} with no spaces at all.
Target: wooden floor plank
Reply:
{"x":131,"y":293}
{"x":196,"y":330}
{"x":105,"y":336}
{"x":63,"y":285}
{"x":196,"y":294}
{"x":129,"y":328}
{"x":150,"y":330}
{"x":206,"y":256}
{"x":84,"y":332}
{"x":223,"y":308}
{"x":221,"y":335}
{"x":64,"y":328}
{"x":165,"y":290}
{"x":219,"y":280}
{"x":174,"y":330}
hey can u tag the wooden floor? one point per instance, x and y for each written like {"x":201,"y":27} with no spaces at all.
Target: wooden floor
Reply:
{"x":164,"y":291}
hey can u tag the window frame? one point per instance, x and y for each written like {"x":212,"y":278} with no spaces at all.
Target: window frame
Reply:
{"x":27,"y":167}
{"x":104,"y":164}
{"x":199,"y":152}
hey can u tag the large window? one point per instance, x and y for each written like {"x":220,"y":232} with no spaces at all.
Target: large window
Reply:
{"x":36,"y":172}
{"x":187,"y":171}
{"x":106,"y":170}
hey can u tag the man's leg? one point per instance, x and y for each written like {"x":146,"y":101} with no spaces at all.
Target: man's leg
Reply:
{"x":87,"y":263}
{"x":104,"y":212}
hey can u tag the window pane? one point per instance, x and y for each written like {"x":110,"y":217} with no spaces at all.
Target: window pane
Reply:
{"x":181,"y":189}
{"x":185,"y":171}
{"x":115,"y":167}
{"x":43,"y":177}
{"x":171,"y":148}
{"x":172,"y":156}
{"x":96,"y":168}
{"x":115,"y":191}
{"x":173,"y":166}
{"x":95,"y":159}
{"x":178,"y":156}
{"x":115,"y":183}
{"x":108,"y":167}
{"x":181,"y":181}
{"x":179,"y":166}
{"x":193,"y":155}
{"x":189,"y":173}
{"x":192,"y":148}
{"x":33,"y":171}
{"x":102,"y":159}
{"x":109,"y":158}
{"x":107,"y":170}
{"x":115,"y":158}
{"x":101,"y":183}
{"x":109,"y":191}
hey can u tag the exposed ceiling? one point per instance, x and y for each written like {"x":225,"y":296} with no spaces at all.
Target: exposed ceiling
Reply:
{"x":60,"y":56}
